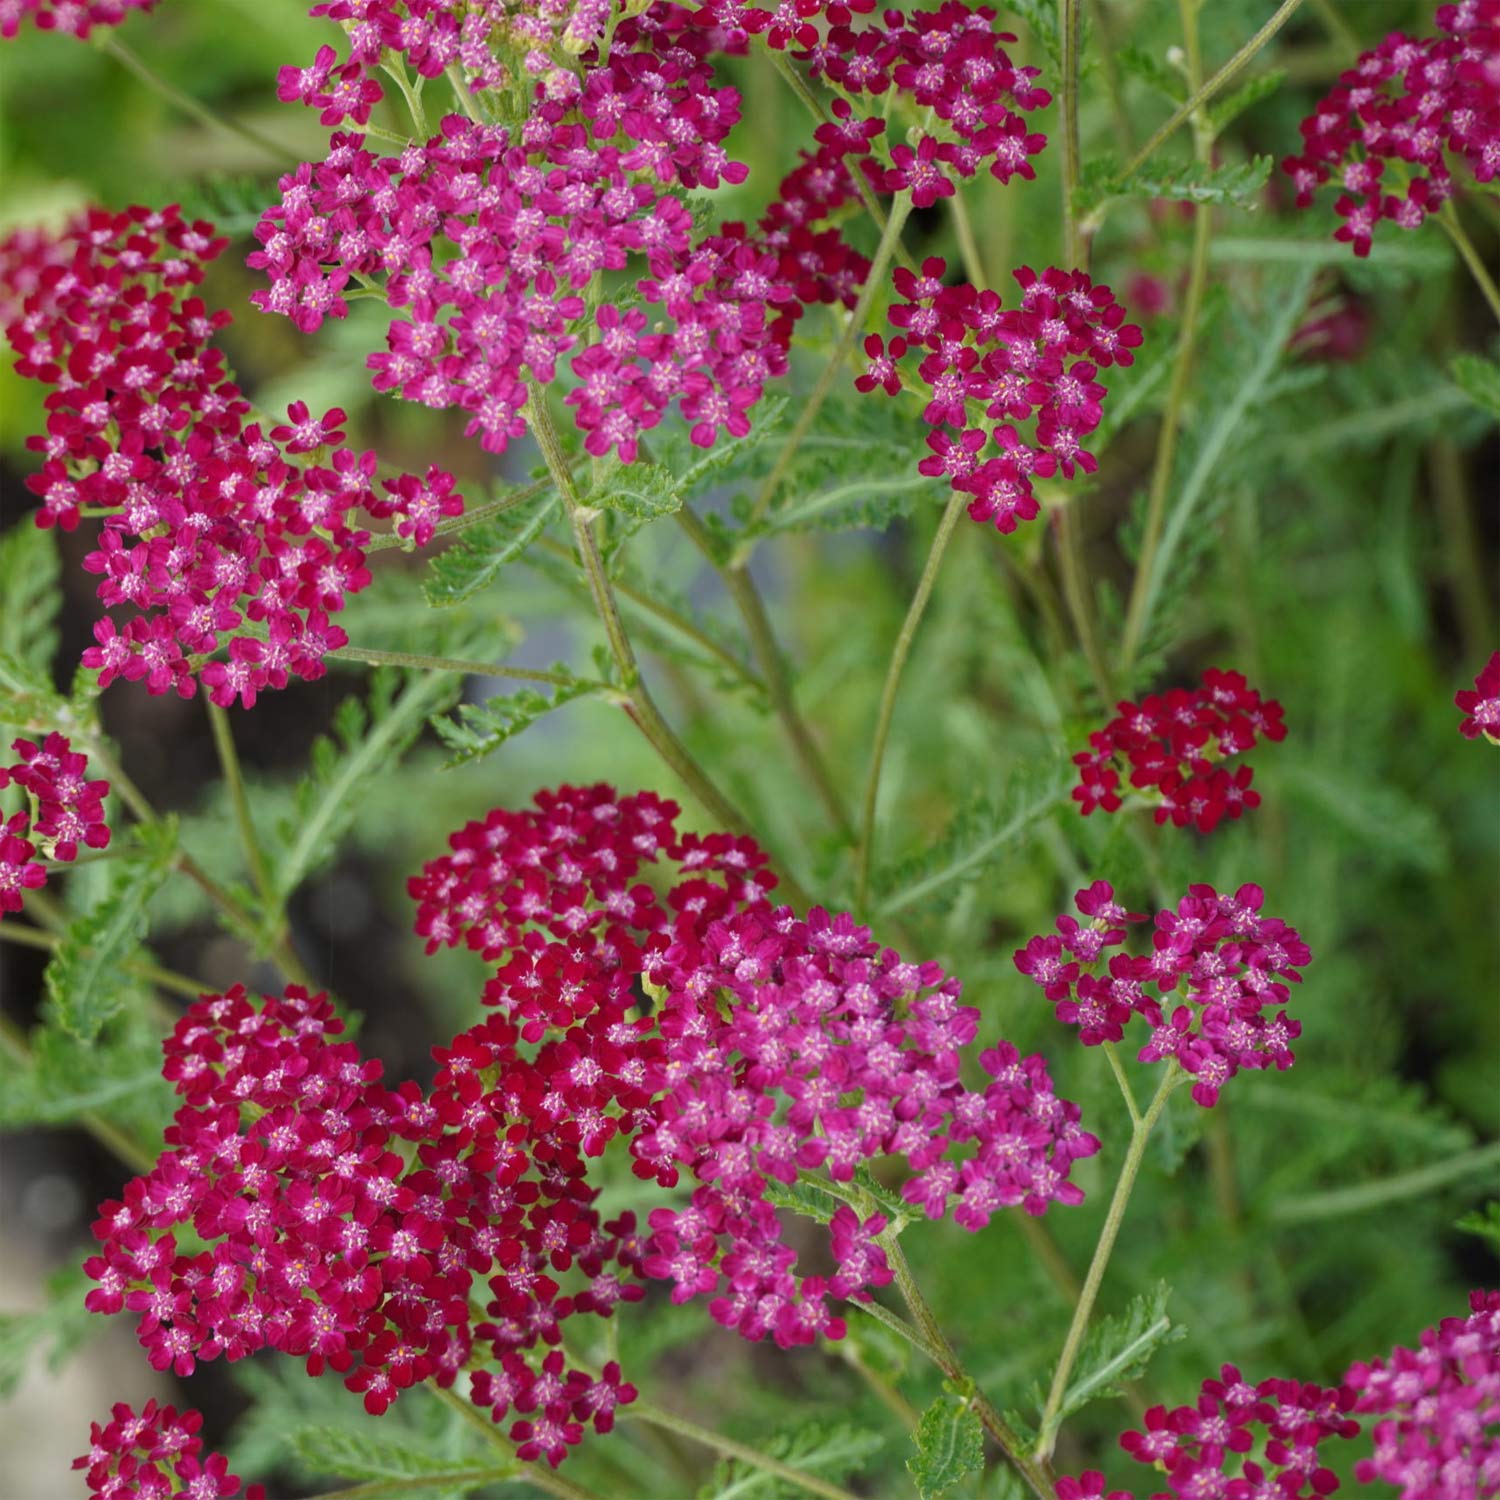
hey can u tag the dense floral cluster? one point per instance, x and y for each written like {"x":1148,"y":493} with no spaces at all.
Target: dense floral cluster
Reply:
{"x":1231,"y":964}
{"x":71,"y":17}
{"x":986,"y":368}
{"x":860,"y":1047}
{"x":1480,"y":704}
{"x":214,"y":535}
{"x":1438,"y":1433}
{"x":154,"y":1454}
{"x":64,"y":809}
{"x":489,"y":238}
{"x":950,"y":63}
{"x":1408,"y":104}
{"x":1242,"y":1440}
{"x":1176,"y":745}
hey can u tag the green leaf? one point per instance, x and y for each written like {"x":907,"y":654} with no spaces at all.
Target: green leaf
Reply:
{"x":368,"y":739}
{"x":235,"y":204}
{"x":949,"y":1443}
{"x":642,"y":491}
{"x":1479,"y":380}
{"x":802,"y":1197}
{"x":1223,"y":112}
{"x":28,"y":699}
{"x":29,"y":568}
{"x":1238,"y":184}
{"x":1485,"y":1222}
{"x":479,"y":553}
{"x":1154,"y":72}
{"x":831,"y":1451}
{"x":339,"y":1454}
{"x":84,"y":980}
{"x":478,"y":729}
{"x":1378,"y":817}
{"x":1117,"y":1351}
{"x":60,"y":1326}
{"x":979,"y":834}
{"x":1041,"y":17}
{"x":64,"y":1078}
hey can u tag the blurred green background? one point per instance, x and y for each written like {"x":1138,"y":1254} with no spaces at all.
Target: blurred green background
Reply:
{"x":1342,"y":553}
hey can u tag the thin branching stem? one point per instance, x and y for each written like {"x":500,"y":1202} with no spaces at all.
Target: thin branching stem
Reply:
{"x":229,"y":765}
{"x":1448,"y":218}
{"x":466,"y":665}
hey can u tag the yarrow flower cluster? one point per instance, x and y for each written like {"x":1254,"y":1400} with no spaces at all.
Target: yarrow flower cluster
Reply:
{"x":64,"y":809}
{"x":1176,"y":745}
{"x":1231,"y":964}
{"x":229,"y":553}
{"x":1408,"y":104}
{"x":949,"y":63}
{"x":986,"y":368}
{"x":1241,"y":1440}
{"x":156,"y":1454}
{"x":71,"y":17}
{"x":1480,"y":704}
{"x":755,"y":1012}
{"x":1437,"y":1436}
{"x":489,"y":238}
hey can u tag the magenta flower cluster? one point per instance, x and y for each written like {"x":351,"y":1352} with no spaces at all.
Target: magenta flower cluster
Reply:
{"x":1408,"y":104}
{"x":986,"y":368}
{"x":1231,"y":964}
{"x":228,"y":553}
{"x":156,"y":1454}
{"x":1437,"y":1409}
{"x":950,"y":63}
{"x":1480,"y":705}
{"x":1175,"y":745}
{"x":69,"y":17}
{"x":64,"y":809}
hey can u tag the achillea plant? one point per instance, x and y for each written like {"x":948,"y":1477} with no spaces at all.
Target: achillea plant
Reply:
{"x":715,"y":1146}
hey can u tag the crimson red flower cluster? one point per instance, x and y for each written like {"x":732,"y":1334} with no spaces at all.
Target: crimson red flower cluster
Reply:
{"x":64,"y":809}
{"x":1438,"y":1433}
{"x":1175,"y":745}
{"x":1480,"y":705}
{"x":987,"y":367}
{"x":1232,"y":964}
{"x":156,"y":1454}
{"x":1410,"y":104}
{"x":70,"y":17}
{"x":213,"y":535}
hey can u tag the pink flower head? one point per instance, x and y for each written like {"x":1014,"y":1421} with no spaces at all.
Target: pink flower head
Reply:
{"x":156,"y":1452}
{"x":1481,"y":704}
{"x":70,"y":17}
{"x":65,"y":809}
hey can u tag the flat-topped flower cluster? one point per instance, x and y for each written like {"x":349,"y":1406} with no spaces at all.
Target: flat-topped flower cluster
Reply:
{"x":64,"y":809}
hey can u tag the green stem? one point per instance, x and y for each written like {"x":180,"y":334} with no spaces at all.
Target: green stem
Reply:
{"x":1377,"y":1194}
{"x":1448,"y":218}
{"x":1070,"y":25}
{"x":122,"y":53}
{"x":763,"y":642}
{"x":644,"y":1411}
{"x":1140,"y":1133}
{"x":900,"y":209}
{"x":1182,"y":369}
{"x":229,"y":764}
{"x":968,"y":244}
{"x":469,"y":518}
{"x":397,"y":74}
{"x":462,"y":664}
{"x":1113,"y":1054}
{"x":1033,"y":1470}
{"x":1079,"y":598}
{"x":1204,"y":92}
{"x":165,"y":979}
{"x":914,"y":613}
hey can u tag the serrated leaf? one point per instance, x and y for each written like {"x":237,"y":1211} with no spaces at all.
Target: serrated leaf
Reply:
{"x":84,"y":979}
{"x":335,"y":1453}
{"x":1479,"y":380}
{"x":479,"y":729}
{"x":27,"y":696}
{"x":1153,"y":71}
{"x":369,"y":737}
{"x":1379,"y":817}
{"x":831,"y":1451}
{"x":1238,"y":184}
{"x":802,"y":1197}
{"x":1485,"y":1222}
{"x":1117,"y":1350}
{"x":65,"y":1078}
{"x":949,"y":1443}
{"x":979,"y":833}
{"x":642,"y":491}
{"x":1223,"y":112}
{"x":29,"y":597}
{"x":479,"y":553}
{"x":58,"y":1327}
{"x":235,"y":204}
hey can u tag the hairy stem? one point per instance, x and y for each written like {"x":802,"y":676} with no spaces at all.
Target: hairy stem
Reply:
{"x":865,"y":849}
{"x":1079,"y":598}
{"x":132,"y":60}
{"x":763,"y":642}
{"x":449,"y":664}
{"x":1070,"y":25}
{"x":1182,"y":369}
{"x":1140,"y":1133}
{"x":229,"y":765}
{"x":1456,"y":232}
{"x":1206,"y":91}
{"x":900,"y":209}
